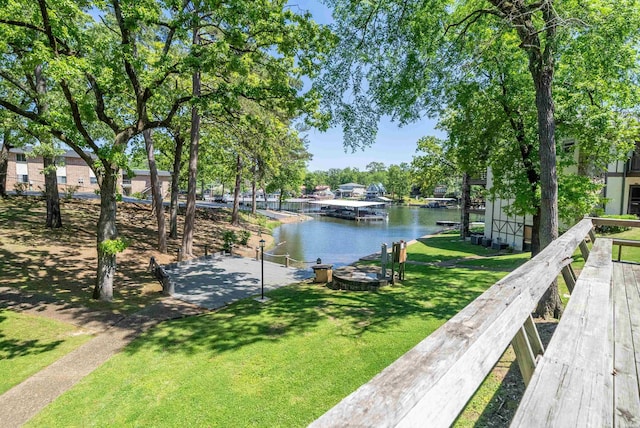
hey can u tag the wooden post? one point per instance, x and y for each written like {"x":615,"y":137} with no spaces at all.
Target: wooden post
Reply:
{"x":569,"y":278}
{"x":592,"y":236}
{"x":534,"y":338}
{"x":206,"y":250}
{"x":286,"y":260}
{"x":584,"y":250}
{"x":524,"y":355}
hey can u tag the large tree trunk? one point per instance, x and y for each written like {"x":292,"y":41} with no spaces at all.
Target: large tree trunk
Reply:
{"x":54,"y":217}
{"x":156,"y":191}
{"x":175,"y":186}
{"x":190,"y":212}
{"x":4,"y":162}
{"x":466,"y":205}
{"x":235,"y":213}
{"x":107,"y":231}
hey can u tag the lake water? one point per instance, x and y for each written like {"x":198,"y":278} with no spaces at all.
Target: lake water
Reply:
{"x":342,"y":242}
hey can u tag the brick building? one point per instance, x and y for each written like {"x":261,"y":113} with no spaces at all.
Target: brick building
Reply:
{"x":73,"y":173}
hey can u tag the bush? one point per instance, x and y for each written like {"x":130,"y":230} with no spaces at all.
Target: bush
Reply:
{"x":229,"y":238}
{"x":138,"y":195}
{"x":615,"y":229}
{"x":244,"y":237}
{"x":20,"y":188}
{"x":69,"y":191}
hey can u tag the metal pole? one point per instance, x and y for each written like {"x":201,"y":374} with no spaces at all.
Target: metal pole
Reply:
{"x":262,"y":269}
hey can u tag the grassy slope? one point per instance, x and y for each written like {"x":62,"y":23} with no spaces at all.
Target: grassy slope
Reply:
{"x":282,"y":364}
{"x":29,"y":343}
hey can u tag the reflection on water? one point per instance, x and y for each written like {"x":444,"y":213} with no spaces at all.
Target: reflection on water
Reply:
{"x":341,"y":242}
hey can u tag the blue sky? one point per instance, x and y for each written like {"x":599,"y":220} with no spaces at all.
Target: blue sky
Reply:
{"x":393,"y":144}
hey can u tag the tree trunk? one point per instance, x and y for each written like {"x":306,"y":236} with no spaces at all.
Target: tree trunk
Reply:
{"x":466,"y":205}
{"x":254,"y":197}
{"x":280,"y":200}
{"x":548,"y":172}
{"x":156,"y":192}
{"x":106,"y":231}
{"x":235,"y":216}
{"x":190,"y":212}
{"x":535,"y":234}
{"x":175,"y":186}
{"x":54,"y":217}
{"x":4,"y":163}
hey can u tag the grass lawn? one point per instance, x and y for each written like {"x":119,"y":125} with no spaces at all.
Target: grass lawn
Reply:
{"x":29,"y":343}
{"x":446,"y":246}
{"x":280,"y":364}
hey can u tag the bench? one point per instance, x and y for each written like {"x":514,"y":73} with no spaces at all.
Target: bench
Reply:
{"x":586,"y":377}
{"x":573,"y":383}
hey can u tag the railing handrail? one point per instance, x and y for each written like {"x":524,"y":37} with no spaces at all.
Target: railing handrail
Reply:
{"x":434,"y":380}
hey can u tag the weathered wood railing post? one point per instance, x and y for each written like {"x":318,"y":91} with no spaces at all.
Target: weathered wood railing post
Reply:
{"x":584,"y":250}
{"x":569,"y":277}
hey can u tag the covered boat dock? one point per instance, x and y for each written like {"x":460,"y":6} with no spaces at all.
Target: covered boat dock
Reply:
{"x":352,"y":210}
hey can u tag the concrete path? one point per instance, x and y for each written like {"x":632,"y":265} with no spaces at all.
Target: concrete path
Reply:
{"x":27,"y":399}
{"x":215,"y":281}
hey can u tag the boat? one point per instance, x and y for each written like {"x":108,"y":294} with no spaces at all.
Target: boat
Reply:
{"x":440,"y":203}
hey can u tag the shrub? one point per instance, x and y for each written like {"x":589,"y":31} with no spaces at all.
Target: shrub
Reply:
{"x":138,"y":195}
{"x":229,"y":238}
{"x":20,"y":188}
{"x":615,"y":229}
{"x":244,"y":237}
{"x":69,"y":191}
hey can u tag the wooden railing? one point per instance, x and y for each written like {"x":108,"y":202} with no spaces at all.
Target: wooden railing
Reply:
{"x":431,"y":383}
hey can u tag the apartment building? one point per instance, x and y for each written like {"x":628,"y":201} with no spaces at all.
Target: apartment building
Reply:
{"x":25,"y":169}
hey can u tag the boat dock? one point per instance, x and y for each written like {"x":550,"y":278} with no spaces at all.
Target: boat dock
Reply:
{"x":352,"y":210}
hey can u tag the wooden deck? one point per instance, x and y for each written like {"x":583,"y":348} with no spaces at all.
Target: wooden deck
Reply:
{"x":587,"y":376}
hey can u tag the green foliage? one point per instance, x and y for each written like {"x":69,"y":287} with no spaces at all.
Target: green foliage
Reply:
{"x":229,"y":239}
{"x":114,"y":246}
{"x":70,"y":191}
{"x":138,"y":195}
{"x":244,"y":237}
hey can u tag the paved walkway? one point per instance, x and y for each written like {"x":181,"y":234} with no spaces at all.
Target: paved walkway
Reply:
{"x":216,"y":281}
{"x":114,"y":332}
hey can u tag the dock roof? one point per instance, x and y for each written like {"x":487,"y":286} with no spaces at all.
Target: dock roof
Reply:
{"x":346,"y":203}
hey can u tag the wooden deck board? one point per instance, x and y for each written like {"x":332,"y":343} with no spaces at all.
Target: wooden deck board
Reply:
{"x":627,"y":331}
{"x":573,"y":382}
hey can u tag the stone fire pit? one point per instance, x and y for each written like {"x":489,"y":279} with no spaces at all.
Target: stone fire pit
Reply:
{"x":357,"y":278}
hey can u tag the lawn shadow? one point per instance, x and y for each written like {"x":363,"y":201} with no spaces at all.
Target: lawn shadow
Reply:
{"x":13,"y":348}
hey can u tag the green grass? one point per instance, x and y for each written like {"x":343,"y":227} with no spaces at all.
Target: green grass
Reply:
{"x":445,"y":247}
{"x":30,"y":343}
{"x":280,"y":364}
{"x":630,"y":254}
{"x":503,"y":262}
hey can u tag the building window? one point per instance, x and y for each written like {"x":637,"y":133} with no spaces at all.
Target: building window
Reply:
{"x":62,"y":179}
{"x":21,"y":157}
{"x":93,"y":180}
{"x":23,"y":178}
{"x":80,"y":180}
